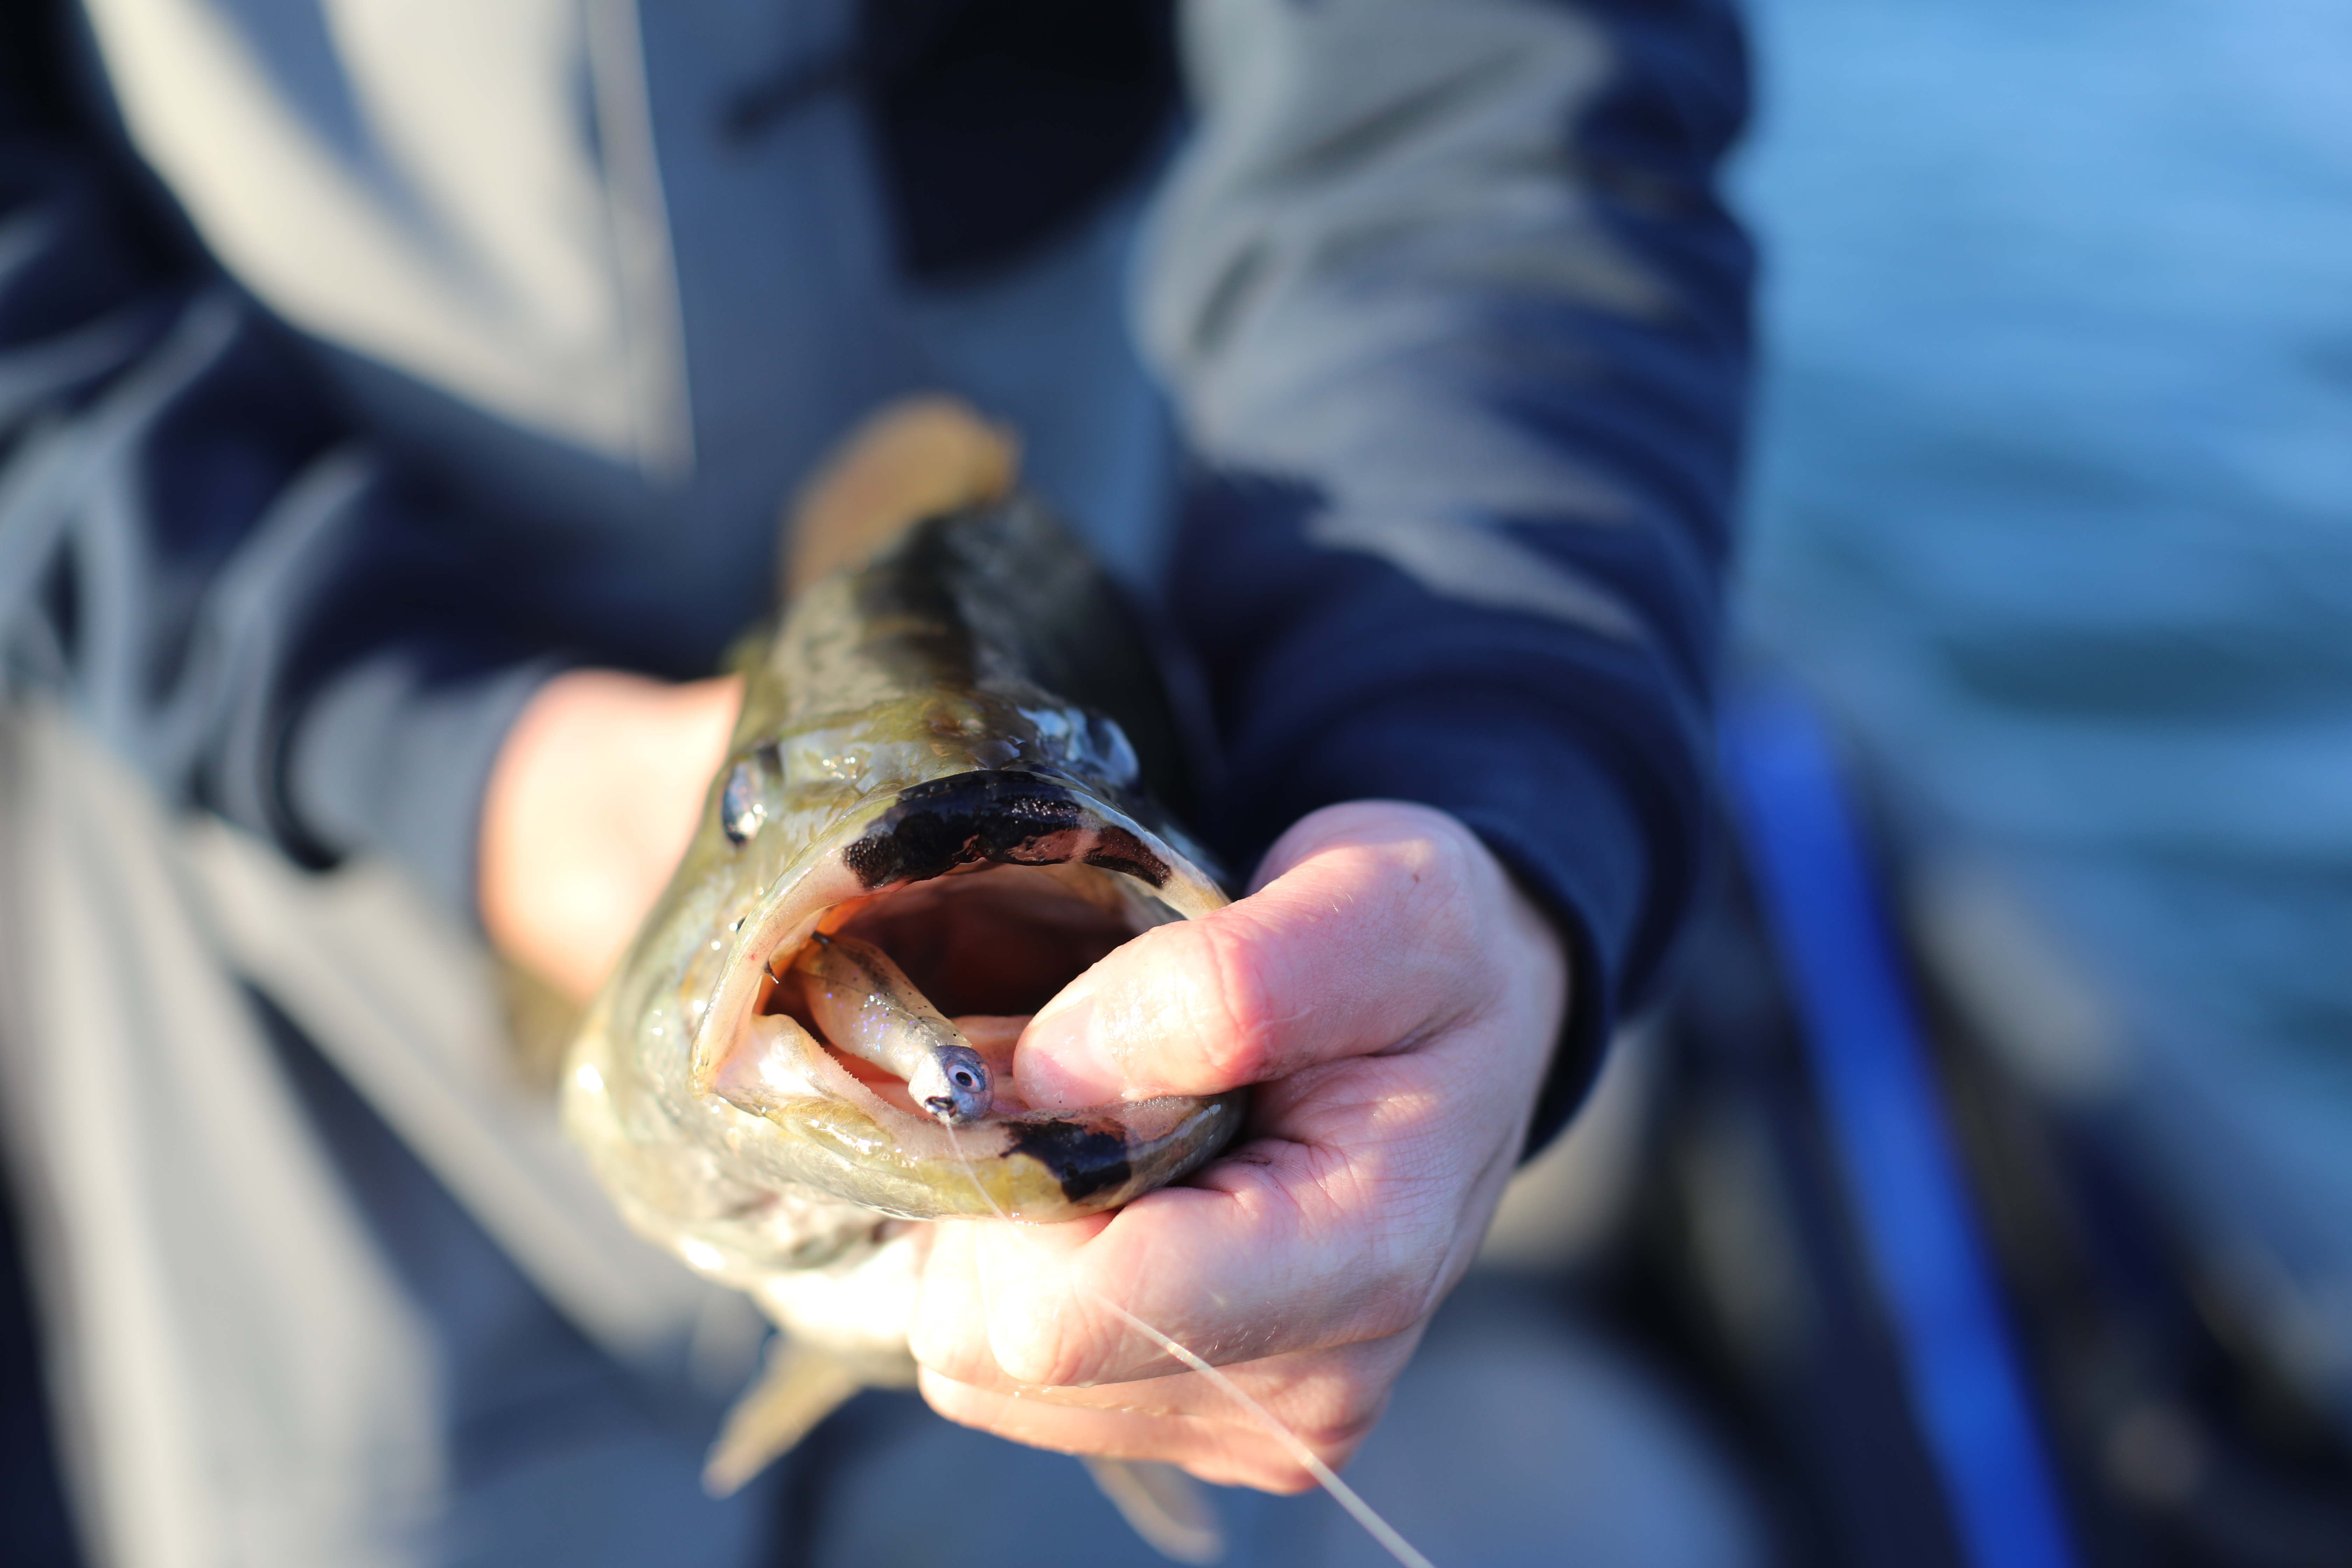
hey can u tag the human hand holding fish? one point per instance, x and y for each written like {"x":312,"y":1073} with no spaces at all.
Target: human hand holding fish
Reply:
{"x":1385,"y":982}
{"x":927,"y":892}
{"x":1396,"y":998}
{"x":590,"y":807}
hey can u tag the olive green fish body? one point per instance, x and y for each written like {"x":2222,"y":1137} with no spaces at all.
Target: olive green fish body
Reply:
{"x":927,"y":766}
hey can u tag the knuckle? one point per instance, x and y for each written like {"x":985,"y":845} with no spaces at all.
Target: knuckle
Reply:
{"x":952,"y":1343}
{"x":961,"y":1357}
{"x":1285,"y":1477}
{"x":1335,"y":1440}
{"x":1395,"y":1302}
{"x":1037,"y":1349}
{"x":958,"y":1402}
{"x":1063,"y":1342}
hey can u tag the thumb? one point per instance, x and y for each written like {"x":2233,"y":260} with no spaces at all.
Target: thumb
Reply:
{"x":1364,"y":940}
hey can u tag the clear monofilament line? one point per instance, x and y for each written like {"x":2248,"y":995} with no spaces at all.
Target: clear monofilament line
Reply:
{"x":1362,"y":1513}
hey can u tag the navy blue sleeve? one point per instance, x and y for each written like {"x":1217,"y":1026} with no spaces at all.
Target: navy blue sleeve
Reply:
{"x":196,"y":555}
{"x":1457,"y":331}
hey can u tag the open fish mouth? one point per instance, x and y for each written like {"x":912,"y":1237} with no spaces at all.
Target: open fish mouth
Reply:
{"x":934,"y":816}
{"x":912,"y":946}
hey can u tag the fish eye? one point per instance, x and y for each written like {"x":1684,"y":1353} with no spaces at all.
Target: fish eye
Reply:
{"x":741,"y":811}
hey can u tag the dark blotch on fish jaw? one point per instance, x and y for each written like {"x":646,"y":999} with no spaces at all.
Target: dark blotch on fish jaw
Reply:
{"x":999,"y":818}
{"x":1116,"y":849}
{"x":1084,"y":1160}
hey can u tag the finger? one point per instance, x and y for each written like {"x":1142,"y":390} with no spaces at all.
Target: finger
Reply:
{"x":1325,"y":1404}
{"x":1374,"y":933}
{"x":1327,"y":1394}
{"x":1215,"y":1451}
{"x":1285,"y":1248}
{"x":593,"y":800}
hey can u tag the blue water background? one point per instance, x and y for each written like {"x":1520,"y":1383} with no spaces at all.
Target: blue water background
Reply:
{"x":2052,"y":503}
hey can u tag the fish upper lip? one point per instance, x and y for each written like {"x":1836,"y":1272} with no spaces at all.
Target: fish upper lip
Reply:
{"x":823,"y":876}
{"x":812,"y":884}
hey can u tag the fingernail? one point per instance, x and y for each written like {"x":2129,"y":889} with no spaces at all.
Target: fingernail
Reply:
{"x":1060,"y":1063}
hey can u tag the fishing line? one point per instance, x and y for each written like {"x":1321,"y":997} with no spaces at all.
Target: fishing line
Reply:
{"x":1362,"y":1513}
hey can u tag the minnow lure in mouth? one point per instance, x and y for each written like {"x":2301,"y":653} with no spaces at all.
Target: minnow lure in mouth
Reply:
{"x":865,"y":1005}
{"x":933,"y":816}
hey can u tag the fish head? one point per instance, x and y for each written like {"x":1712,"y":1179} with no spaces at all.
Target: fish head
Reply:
{"x":903,"y":779}
{"x":992,"y":888}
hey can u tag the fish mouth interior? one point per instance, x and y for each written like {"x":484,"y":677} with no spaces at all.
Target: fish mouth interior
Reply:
{"x":988,"y":946}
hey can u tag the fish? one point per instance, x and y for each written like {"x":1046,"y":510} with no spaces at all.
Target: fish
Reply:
{"x":941,"y":802}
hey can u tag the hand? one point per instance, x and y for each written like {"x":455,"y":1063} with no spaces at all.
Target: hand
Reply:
{"x":591,"y":804}
{"x":1397,"y":997}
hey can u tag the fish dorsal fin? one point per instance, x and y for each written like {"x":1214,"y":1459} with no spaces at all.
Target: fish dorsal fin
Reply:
{"x":914,"y":458}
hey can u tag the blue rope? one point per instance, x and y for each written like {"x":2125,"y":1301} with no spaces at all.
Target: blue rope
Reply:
{"x":1967,"y":1387}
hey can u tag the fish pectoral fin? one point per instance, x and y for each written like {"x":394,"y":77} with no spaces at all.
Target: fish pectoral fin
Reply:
{"x":800,"y":1388}
{"x":1168,"y":1507}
